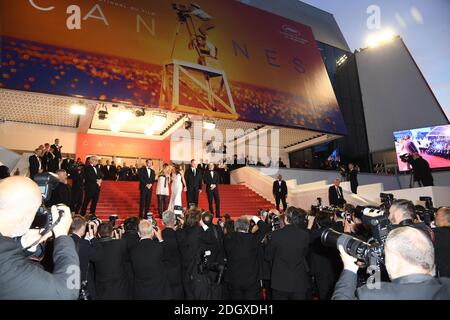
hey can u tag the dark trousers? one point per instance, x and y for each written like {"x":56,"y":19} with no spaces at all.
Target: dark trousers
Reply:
{"x":282,"y":295}
{"x":281,"y":198}
{"x":252,"y":292}
{"x":145,"y":202}
{"x":163,"y":203}
{"x":192,"y":196}
{"x":325,"y":285}
{"x":90,"y":196}
{"x":77,"y":200}
{"x":213,"y":194}
{"x":354,"y":187}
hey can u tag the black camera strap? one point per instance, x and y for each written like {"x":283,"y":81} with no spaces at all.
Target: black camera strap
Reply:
{"x":42,"y":235}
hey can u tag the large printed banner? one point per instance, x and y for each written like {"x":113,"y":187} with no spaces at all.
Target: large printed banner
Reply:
{"x":216,"y":58}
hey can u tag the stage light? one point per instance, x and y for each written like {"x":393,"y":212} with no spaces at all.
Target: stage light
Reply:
{"x":148,"y":131}
{"x":78,"y":109}
{"x":209,"y":125}
{"x":378,"y":39}
{"x":341,"y":60}
{"x":158,"y":121}
{"x":115,"y":127}
{"x":124,"y":116}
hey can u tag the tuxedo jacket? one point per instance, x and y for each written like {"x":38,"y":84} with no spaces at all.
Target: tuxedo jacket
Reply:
{"x":279,"y":190}
{"x":193,"y":182}
{"x":144,"y":178}
{"x":211,"y":180}
{"x":34,"y":165}
{"x":52,"y":162}
{"x":57,"y":151}
{"x":90,"y":178}
{"x":334,"y":198}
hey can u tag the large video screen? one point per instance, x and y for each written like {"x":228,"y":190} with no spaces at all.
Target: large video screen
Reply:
{"x":432,"y":144}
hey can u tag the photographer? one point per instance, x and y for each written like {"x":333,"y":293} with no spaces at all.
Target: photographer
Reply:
{"x":442,"y":241}
{"x":150,"y":279}
{"x":111,"y":282}
{"x":172,"y":254}
{"x":20,"y":278}
{"x":325,"y":262}
{"x":242,"y":251}
{"x":287,"y":250}
{"x":409,"y":257}
{"x":402,"y":214}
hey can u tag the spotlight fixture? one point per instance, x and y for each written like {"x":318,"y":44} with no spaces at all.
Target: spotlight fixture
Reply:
{"x":102,"y":112}
{"x":209,"y":124}
{"x":158,"y":121}
{"x":148,"y":131}
{"x":140,"y":113}
{"x":78,"y":109}
{"x":115,"y":127}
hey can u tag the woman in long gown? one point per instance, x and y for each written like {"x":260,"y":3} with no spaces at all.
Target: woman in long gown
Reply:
{"x":176,"y":204}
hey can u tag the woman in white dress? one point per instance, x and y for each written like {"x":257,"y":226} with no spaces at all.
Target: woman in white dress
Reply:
{"x":177,"y":190}
{"x":162,"y":189}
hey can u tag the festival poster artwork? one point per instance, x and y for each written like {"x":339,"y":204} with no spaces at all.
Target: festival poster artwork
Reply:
{"x":216,"y":58}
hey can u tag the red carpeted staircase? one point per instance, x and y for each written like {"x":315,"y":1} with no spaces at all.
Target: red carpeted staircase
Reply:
{"x":122,"y":198}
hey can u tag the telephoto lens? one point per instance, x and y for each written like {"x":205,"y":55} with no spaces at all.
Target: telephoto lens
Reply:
{"x":353,"y":246}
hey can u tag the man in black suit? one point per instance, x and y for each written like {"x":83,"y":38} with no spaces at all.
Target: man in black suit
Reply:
{"x":242,"y":250}
{"x":353,"y":177}
{"x":193,"y":178}
{"x":106,"y":170}
{"x":211,"y":178}
{"x":287,"y":250}
{"x":77,"y":188}
{"x":335,"y":194}
{"x":409,"y":257}
{"x":52,"y":161}
{"x":442,"y":242}
{"x":57,"y":149}
{"x":150,"y":279}
{"x":78,"y":230}
{"x":146,"y":180}
{"x":92,"y":183}
{"x":111,"y":282}
{"x":172,"y":254}
{"x":36,"y":166}
{"x":67,"y":164}
{"x":280,"y":191}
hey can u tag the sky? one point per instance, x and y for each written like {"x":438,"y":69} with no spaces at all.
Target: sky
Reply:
{"x":424,"y":26}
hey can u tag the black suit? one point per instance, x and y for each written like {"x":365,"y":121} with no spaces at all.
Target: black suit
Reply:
{"x":442,"y":251}
{"x":243,"y":263}
{"x":91,"y":188}
{"x":52,"y":162}
{"x":334,"y":198}
{"x":280,"y":192}
{"x":145,"y":194}
{"x":150,"y":279}
{"x":23,"y":279}
{"x":287,"y":250}
{"x":411,"y":287}
{"x":193,"y":185}
{"x":172,"y":262}
{"x":111,"y":282}
{"x":57,"y":151}
{"x":67,"y":164}
{"x":77,"y":191}
{"x":35,"y":165}
{"x":353,"y":177}
{"x":86,"y":252}
{"x":132,"y":239}
{"x":61,"y":194}
{"x":209,"y":180}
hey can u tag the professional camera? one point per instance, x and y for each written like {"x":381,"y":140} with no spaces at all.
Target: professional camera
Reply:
{"x":316,"y":208}
{"x":370,"y":253}
{"x":47,"y":182}
{"x":426,"y":214}
{"x":406,"y":158}
{"x":204,"y":266}
{"x":386,"y":200}
{"x":270,"y":218}
{"x":378,"y":221}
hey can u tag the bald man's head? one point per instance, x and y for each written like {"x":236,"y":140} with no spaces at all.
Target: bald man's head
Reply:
{"x":408,"y":251}
{"x":20,"y":198}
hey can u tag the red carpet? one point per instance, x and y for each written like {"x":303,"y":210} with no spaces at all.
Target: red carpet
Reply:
{"x":122,"y":198}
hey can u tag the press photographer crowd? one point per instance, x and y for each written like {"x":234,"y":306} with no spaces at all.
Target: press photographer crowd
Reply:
{"x":394,"y":251}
